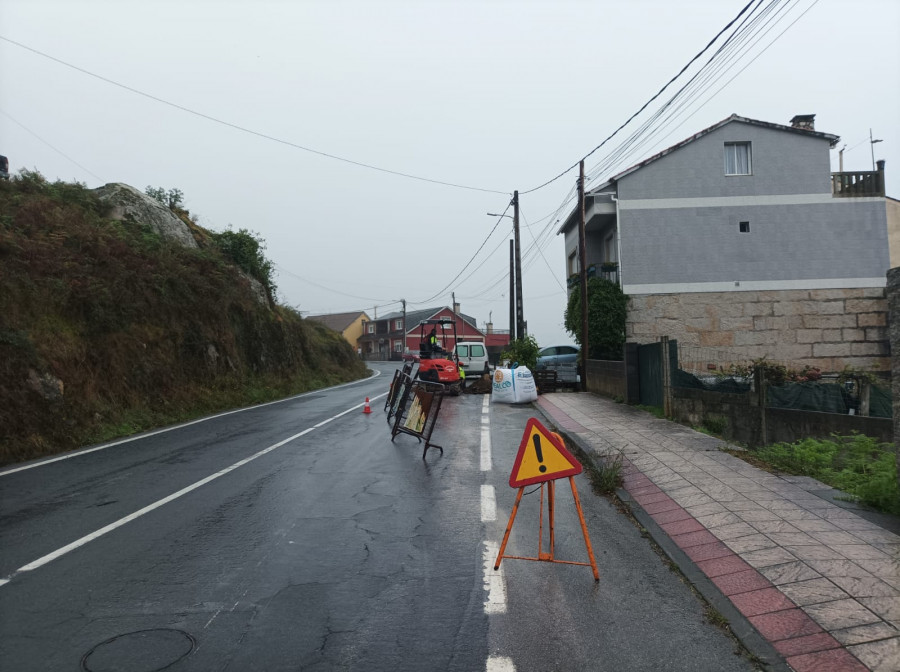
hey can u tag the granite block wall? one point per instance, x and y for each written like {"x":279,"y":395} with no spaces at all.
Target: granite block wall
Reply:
{"x":827,"y":328}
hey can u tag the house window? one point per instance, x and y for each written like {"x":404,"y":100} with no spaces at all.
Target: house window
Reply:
{"x":744,"y":227}
{"x":737,"y":158}
{"x":398,"y":346}
{"x":573,"y":263}
{"x":398,"y":324}
{"x":370,"y":328}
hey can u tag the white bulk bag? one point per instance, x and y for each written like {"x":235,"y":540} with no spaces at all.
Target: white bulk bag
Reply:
{"x":502,"y":387}
{"x":513,"y":386}
{"x":524,"y":387}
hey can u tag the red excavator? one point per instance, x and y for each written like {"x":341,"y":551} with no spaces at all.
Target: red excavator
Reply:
{"x":437,"y":365}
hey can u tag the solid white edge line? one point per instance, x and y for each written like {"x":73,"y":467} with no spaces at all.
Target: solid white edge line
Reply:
{"x":137,"y":437}
{"x":499,"y":664}
{"x":494,"y":583}
{"x":165,"y":500}
{"x":488,"y":504}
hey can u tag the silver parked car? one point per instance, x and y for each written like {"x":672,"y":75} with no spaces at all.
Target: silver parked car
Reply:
{"x":560,"y":358}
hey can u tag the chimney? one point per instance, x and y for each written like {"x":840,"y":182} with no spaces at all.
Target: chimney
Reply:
{"x":806,"y":122}
{"x":456,"y":308}
{"x":489,"y":327}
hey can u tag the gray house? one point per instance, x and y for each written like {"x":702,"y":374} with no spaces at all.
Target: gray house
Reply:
{"x":740,"y":238}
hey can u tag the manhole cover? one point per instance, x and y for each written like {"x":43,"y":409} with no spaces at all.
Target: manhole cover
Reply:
{"x":141,"y":651}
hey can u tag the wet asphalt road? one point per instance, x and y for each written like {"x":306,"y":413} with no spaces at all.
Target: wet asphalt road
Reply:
{"x":334,"y":550}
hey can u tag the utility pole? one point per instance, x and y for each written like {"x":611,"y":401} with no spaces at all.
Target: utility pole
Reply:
{"x":403,"y":347}
{"x":872,"y":146}
{"x":582,"y":260}
{"x":520,"y":318}
{"x":512,"y":291}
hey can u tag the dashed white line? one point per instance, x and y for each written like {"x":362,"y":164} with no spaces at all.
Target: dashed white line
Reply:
{"x":499,"y":664}
{"x":486,"y":435}
{"x":494,"y":582}
{"x":488,"y":504}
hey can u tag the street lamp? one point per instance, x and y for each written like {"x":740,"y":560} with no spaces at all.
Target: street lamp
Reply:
{"x":517,"y":250}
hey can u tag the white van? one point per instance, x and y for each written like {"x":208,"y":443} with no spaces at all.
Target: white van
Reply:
{"x":473,"y":358}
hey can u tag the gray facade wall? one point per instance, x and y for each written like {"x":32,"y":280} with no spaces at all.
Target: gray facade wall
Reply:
{"x":782,"y":162}
{"x":842,"y":238}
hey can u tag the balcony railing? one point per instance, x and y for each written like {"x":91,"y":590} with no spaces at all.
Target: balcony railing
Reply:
{"x":608,"y":270}
{"x":865,"y":183}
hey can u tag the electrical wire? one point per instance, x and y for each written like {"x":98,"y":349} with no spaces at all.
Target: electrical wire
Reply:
{"x":282,"y":269}
{"x":58,"y":151}
{"x":702,"y":79}
{"x":468,"y":263}
{"x":249,"y":131}
{"x":646,"y":104}
{"x":769,"y":29}
{"x":749,"y":33}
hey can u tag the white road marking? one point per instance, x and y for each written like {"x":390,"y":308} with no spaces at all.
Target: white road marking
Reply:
{"x":499,"y":664}
{"x":494,"y":582}
{"x":79,"y":453}
{"x":488,"y":504}
{"x":485,"y":435}
{"x":40,"y":562}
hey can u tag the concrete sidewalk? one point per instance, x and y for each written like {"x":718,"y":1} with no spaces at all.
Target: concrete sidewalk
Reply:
{"x":819,"y":583}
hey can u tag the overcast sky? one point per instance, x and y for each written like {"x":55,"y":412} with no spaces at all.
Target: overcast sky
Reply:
{"x":490,"y":95}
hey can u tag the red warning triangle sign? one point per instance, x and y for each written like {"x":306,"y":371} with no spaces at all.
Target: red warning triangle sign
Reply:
{"x":542,"y":457}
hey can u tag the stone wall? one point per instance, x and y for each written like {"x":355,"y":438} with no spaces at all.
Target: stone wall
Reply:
{"x":827,"y":328}
{"x":606,"y":378}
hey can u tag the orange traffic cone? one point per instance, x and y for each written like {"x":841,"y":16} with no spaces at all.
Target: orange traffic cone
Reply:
{"x":367,"y":408}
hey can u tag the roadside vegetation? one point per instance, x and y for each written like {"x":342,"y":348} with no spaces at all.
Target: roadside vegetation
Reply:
{"x":607,"y":307}
{"x":857,"y":465}
{"x":106,"y":329}
{"x":522,"y":350}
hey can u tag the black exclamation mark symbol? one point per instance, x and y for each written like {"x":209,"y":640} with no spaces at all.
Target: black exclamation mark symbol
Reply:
{"x":540,"y":455}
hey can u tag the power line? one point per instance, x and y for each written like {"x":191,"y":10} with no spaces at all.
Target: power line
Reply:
{"x":644,"y":106}
{"x":706,"y":87}
{"x":748,"y":34}
{"x":282,"y":269}
{"x":701,"y":81}
{"x":65,"y":156}
{"x":468,"y":263}
{"x":249,"y":131}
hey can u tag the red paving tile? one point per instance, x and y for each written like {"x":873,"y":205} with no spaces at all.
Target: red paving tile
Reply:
{"x":682,"y":527}
{"x":656,"y":507}
{"x":741,"y":582}
{"x":708,"y":551}
{"x":694,"y":538}
{"x":723,"y":566}
{"x":801,"y":645}
{"x":762,"y":601}
{"x":784,"y":624}
{"x":835,"y":660}
{"x":671,"y":516}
